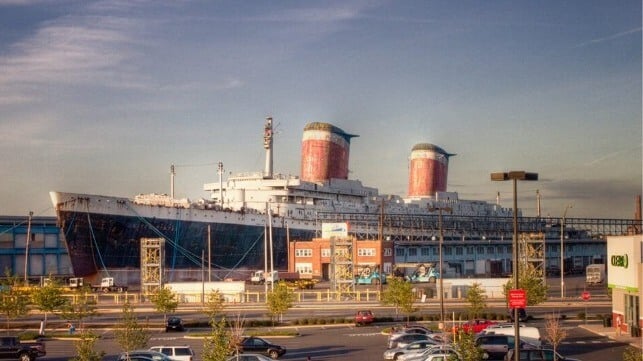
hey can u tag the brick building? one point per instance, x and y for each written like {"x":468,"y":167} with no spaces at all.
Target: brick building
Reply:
{"x":312,"y":258}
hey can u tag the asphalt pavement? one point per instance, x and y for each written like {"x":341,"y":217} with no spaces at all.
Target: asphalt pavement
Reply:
{"x":610,"y":332}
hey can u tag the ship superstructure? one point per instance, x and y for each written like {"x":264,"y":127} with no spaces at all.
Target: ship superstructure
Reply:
{"x":104,"y":232}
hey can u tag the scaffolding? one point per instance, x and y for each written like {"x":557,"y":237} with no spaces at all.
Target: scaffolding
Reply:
{"x":152,"y":252}
{"x":342,"y":267}
{"x":532,"y":252}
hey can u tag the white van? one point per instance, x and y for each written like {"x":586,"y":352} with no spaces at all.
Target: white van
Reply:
{"x":530,"y":335}
{"x":176,"y":353}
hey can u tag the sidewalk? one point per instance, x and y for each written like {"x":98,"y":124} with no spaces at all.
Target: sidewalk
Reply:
{"x":610,"y":332}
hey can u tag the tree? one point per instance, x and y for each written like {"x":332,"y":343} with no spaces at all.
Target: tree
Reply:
{"x":82,"y":306}
{"x":399,"y":293}
{"x":554,"y":332}
{"x":465,"y":346}
{"x":530,"y":281}
{"x":164,"y":300}
{"x":85,"y":348}
{"x":218,"y":345}
{"x":49,"y":299}
{"x":130,"y":335}
{"x":477,"y":300}
{"x":280,"y":300}
{"x":14,"y":299}
{"x":214,"y":304}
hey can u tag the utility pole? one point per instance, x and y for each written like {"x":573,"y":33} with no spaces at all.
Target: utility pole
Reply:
{"x":27,"y":247}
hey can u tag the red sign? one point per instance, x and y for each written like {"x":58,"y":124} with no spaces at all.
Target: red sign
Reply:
{"x":585,"y":295}
{"x":517,"y":298}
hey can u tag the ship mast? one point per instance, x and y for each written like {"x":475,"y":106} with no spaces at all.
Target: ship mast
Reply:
{"x":172,"y":173}
{"x":267,"y":144}
{"x":220,"y":172}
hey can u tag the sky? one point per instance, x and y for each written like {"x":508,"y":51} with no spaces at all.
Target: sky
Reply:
{"x":102,"y":97}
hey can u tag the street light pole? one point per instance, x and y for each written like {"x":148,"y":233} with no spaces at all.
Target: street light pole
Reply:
{"x":515,"y":176}
{"x":27,"y":248}
{"x":562,"y":253}
{"x":440,"y":268}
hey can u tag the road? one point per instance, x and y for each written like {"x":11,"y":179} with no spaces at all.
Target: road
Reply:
{"x":346,"y":342}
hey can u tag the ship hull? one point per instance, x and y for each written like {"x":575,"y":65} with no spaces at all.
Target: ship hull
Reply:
{"x":105,"y":233}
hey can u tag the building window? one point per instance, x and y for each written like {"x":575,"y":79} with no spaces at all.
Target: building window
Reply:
{"x":470,"y":250}
{"x":305,"y":252}
{"x":413,"y":252}
{"x":458,"y":251}
{"x":325,"y":252}
{"x":436,"y":250}
{"x":304,"y":268}
{"x":399,"y":252}
{"x":490,"y":250}
{"x":366,"y":251}
{"x":388,"y":252}
{"x":448,"y":251}
{"x":424,"y":251}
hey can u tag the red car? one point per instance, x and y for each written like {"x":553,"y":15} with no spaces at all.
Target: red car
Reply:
{"x":364,"y":317}
{"x":475,"y":326}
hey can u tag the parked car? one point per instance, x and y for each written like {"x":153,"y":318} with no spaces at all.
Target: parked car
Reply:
{"x":522,"y":315}
{"x":248,"y":357}
{"x":416,"y":347}
{"x":258,"y":345}
{"x":426,"y":354}
{"x":177,"y":353}
{"x":412,"y":329}
{"x":403,"y":339}
{"x":529,"y":335}
{"x":143,"y":354}
{"x":364,"y":317}
{"x":174,"y":324}
{"x":12,"y":348}
{"x":475,"y":326}
{"x":537,"y":355}
{"x":496,"y":346}
{"x":442,"y":357}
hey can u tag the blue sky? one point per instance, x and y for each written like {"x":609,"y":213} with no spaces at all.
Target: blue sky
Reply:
{"x":103,"y":96}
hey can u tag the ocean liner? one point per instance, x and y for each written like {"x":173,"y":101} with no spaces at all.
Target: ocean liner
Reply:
{"x":104,"y":232}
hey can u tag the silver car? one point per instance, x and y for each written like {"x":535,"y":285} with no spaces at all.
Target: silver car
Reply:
{"x":433,"y":350}
{"x":403,"y":339}
{"x":140,"y":354}
{"x":412,"y":348}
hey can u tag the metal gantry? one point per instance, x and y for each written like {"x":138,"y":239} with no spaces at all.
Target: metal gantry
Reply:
{"x":342,"y":267}
{"x":152,"y":251}
{"x":532,"y":252}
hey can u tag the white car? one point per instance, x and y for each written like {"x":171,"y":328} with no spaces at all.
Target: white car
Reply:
{"x":412,"y":348}
{"x":429,"y":352}
{"x":441,"y":357}
{"x":177,"y":353}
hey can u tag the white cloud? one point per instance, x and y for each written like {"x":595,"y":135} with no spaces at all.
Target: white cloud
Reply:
{"x":611,"y":37}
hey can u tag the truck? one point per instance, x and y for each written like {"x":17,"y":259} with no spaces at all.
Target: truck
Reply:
{"x":260,"y":277}
{"x":370,"y":276}
{"x":595,"y":274}
{"x":107,"y":284}
{"x":12,"y":349}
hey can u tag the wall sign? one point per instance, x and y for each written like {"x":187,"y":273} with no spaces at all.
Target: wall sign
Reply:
{"x":619,"y":261}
